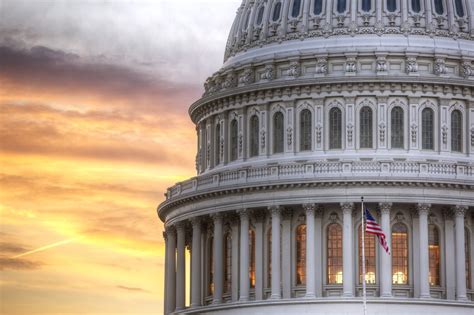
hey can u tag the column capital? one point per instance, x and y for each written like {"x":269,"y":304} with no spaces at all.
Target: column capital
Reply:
{"x":170,"y":229}
{"x":243,"y":214}
{"x":423,"y":208}
{"x":459,"y":210}
{"x":217,"y":217}
{"x":385,"y":207}
{"x":258,"y":215}
{"x":165,"y":235}
{"x":347,"y":207}
{"x":274,"y":210}
{"x":180,"y":225}
{"x":195,"y":221}
{"x":309,"y":208}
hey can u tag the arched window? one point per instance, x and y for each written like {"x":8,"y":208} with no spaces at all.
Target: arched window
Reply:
{"x":269,"y":257}
{"x":317,"y":7}
{"x":335,"y":128}
{"x":305,"y":130}
{"x":278,"y":132}
{"x":439,"y":6}
{"x":427,"y":126}
{"x":399,"y":254}
{"x":366,"y":5}
{"x":233,"y":139}
{"x":261,"y":10}
{"x":392,"y":5}
{"x":416,"y":6}
{"x":459,"y":8}
{"x":227,"y":262}
{"x":370,"y":258}
{"x":396,"y":123}
{"x":210,"y":271}
{"x":334,"y":253}
{"x":295,"y":10}
{"x":467,"y":248}
{"x":341,"y":6}
{"x":252,"y":258}
{"x":434,"y":251}
{"x":276,"y":12}
{"x":456,"y":131}
{"x":254,"y":131}
{"x":301,"y":254}
{"x":247,"y":20}
{"x":366,"y":127}
{"x":217,"y":144}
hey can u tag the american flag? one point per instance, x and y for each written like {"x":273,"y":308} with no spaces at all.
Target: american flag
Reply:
{"x":372,"y":227}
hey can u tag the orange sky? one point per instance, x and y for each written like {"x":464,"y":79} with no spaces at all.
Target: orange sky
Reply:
{"x":89,"y":142}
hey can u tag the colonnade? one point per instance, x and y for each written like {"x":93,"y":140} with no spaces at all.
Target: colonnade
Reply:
{"x":176,"y":235}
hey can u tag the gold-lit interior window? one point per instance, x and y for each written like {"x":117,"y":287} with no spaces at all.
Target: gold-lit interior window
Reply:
{"x":301,"y":254}
{"x":433,"y":241}
{"x":399,"y":254}
{"x":370,"y":258}
{"x":227,"y":262}
{"x":334,"y":250}
{"x":252,"y":258}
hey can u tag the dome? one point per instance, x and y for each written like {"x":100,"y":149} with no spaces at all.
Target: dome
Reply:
{"x":319,"y":103}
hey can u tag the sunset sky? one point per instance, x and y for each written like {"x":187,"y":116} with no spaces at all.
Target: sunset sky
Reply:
{"x":93,"y":129}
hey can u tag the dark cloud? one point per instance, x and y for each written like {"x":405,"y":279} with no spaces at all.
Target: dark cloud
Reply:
{"x":11,"y":248}
{"x":122,"y":287}
{"x":19,"y":264}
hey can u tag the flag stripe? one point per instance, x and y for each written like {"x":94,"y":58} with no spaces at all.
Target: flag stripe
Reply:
{"x":372,"y":227}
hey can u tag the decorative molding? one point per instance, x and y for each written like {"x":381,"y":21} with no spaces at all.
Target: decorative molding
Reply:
{"x":385,"y":207}
{"x":423,"y":208}
{"x":347,"y":207}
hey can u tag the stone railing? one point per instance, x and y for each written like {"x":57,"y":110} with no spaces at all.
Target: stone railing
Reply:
{"x":327,"y":170}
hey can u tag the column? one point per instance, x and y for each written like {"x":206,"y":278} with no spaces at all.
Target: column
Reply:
{"x":347,"y":246}
{"x":196,"y":263}
{"x":429,"y":13}
{"x":170,"y":293}
{"x":306,"y":7}
{"x":310,"y":251}
{"x":459,"y":212}
{"x":180,"y":266}
{"x":385,"y":259}
{"x":276,"y":266}
{"x":259,"y":237}
{"x":235,"y":260}
{"x":319,"y":251}
{"x":423,"y":210}
{"x":165,"y":302}
{"x":218,"y":259}
{"x":285,"y":251}
{"x":244,"y":256}
{"x":449,"y":254}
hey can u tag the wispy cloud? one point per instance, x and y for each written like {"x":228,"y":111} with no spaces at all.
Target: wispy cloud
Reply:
{"x":19,"y":264}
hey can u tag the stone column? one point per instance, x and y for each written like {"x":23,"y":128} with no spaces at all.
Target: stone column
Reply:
{"x":244,"y":256}
{"x":218,"y":259}
{"x":423,"y":210}
{"x":459,"y":212}
{"x":259,"y":237}
{"x":235,"y":260}
{"x":165,"y":302}
{"x":170,"y":294}
{"x":276,"y":255}
{"x":347,"y":247}
{"x":310,"y":251}
{"x":449,"y":254}
{"x":285,"y":250}
{"x":196,"y":263}
{"x":180,"y":266}
{"x":319,"y":251}
{"x":385,"y":259}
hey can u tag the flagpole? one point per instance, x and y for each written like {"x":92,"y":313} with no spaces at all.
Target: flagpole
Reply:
{"x":364,"y":293}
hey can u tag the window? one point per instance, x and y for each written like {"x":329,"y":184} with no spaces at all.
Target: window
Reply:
{"x":459,"y":8}
{"x":301,"y":254}
{"x":392,"y":5}
{"x":278,"y":133}
{"x":335,"y":128}
{"x":366,"y":127}
{"x":227,"y":262}
{"x":247,"y":20}
{"x":233,"y":139}
{"x":210,"y":272}
{"x":341,"y":6}
{"x":295,"y":10}
{"x":261,"y":10}
{"x":467,"y":248}
{"x":254,"y":131}
{"x":252,"y":258}
{"x":334,"y":249}
{"x":433,"y":241}
{"x":305,"y":130}
{"x":276,"y":12}
{"x":439,"y":6}
{"x":217,"y":144}
{"x":366,"y":5}
{"x":399,"y":254}
{"x":427,"y":133}
{"x":416,"y":6}
{"x":456,"y":131}
{"x":396,"y":123}
{"x":269,"y":257}
{"x":370,"y":258}
{"x":317,"y":7}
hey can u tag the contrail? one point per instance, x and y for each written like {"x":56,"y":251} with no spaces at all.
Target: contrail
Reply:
{"x":46,"y":247}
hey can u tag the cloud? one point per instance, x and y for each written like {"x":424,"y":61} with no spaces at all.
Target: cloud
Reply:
{"x":122,"y":287}
{"x":19,"y":264}
{"x":11,"y":248}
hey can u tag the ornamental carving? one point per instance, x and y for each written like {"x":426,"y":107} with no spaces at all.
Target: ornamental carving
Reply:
{"x":294,"y":70}
{"x":460,"y":211}
{"x":351,"y":65}
{"x":414,"y":129}
{"x":411,"y":65}
{"x":347,"y":207}
{"x":267,"y":73}
{"x":382,"y":131}
{"x":472,"y":136}
{"x":309,"y":208}
{"x":289,"y":135}
{"x":322,"y":66}
{"x":262,"y":137}
{"x":385,"y":207}
{"x":350,"y":128}
{"x":230,"y":81}
{"x":445,"y":133}
{"x":241,"y":145}
{"x":440,"y":66}
{"x":319,"y":129}
{"x":381,"y":64}
{"x":423,"y":208}
{"x":466,"y":69}
{"x":246,"y":77}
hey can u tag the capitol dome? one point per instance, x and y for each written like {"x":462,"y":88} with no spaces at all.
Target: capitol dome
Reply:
{"x":318,"y":103}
